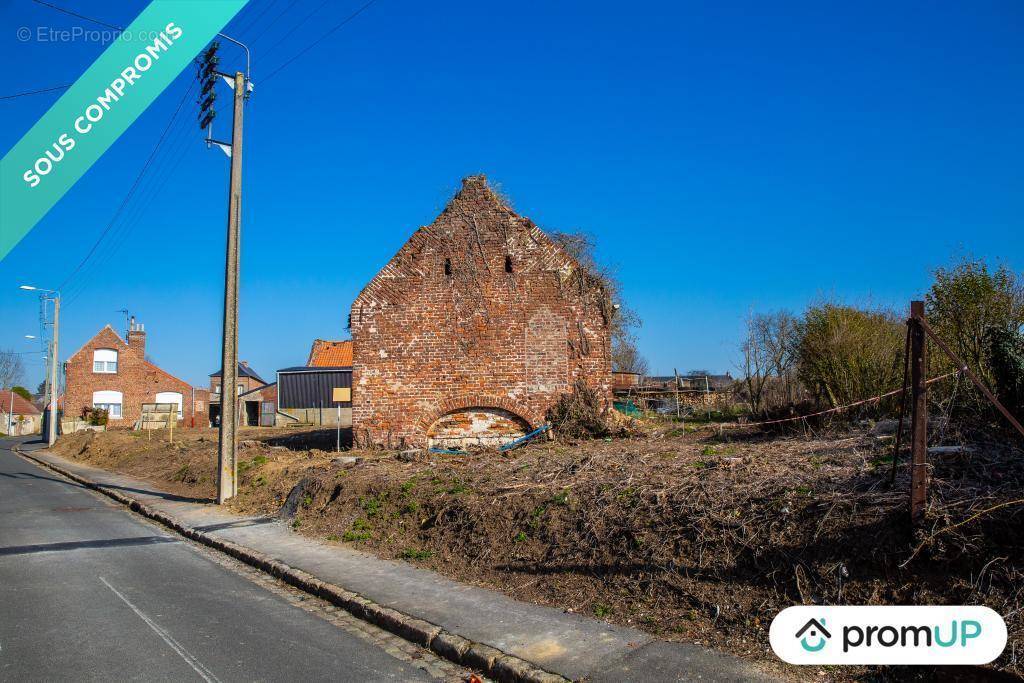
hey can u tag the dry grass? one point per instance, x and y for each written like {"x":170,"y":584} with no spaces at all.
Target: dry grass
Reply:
{"x":691,"y":536}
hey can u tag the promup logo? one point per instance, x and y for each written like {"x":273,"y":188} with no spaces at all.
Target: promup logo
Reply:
{"x":888,"y":635}
{"x":816,"y":632}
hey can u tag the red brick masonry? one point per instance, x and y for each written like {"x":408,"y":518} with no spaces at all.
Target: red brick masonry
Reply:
{"x":480,"y":309}
{"x":137,"y":379}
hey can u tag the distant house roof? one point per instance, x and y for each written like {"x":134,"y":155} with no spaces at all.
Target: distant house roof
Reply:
{"x":267,"y":391}
{"x":334,"y":354}
{"x":243,"y":371}
{"x":713,"y":381}
{"x":321,"y":368}
{"x":21,"y":406}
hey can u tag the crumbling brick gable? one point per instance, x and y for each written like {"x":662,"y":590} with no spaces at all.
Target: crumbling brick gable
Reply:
{"x":479,"y":309}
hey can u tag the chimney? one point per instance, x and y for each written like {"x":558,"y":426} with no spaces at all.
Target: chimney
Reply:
{"x":137,"y":337}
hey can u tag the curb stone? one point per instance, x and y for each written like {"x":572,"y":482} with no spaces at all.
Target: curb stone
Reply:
{"x":493,"y":662}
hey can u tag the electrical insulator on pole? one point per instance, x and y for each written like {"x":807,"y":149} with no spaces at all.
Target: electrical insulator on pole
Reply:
{"x":208,"y":75}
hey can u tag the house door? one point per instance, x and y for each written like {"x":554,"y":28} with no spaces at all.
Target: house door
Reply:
{"x":267,"y":414}
{"x":252,"y":413}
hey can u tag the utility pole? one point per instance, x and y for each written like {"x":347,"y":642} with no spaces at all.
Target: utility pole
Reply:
{"x":10,"y":413}
{"x":228,"y":446}
{"x":51,"y":436}
{"x":51,"y":376}
{"x":227,"y":452}
{"x":919,"y":414}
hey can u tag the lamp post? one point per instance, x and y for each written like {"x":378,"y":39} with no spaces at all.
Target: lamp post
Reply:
{"x":54,"y":296}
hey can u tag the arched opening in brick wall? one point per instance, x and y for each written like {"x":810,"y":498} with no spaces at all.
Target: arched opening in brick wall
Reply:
{"x":478,"y":426}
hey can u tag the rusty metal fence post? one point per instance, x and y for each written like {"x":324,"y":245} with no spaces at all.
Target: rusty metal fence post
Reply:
{"x":919,"y":415}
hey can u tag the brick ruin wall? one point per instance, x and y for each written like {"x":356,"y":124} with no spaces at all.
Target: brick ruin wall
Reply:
{"x":478,"y":310}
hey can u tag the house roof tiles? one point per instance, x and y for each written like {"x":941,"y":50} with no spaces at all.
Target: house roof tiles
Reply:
{"x":333,"y":354}
{"x":21,"y":406}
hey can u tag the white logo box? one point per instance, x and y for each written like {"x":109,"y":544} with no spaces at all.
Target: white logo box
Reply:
{"x":888,"y":635}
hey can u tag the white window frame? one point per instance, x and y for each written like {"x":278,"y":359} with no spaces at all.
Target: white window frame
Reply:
{"x":110,"y":401}
{"x":104,"y":361}
{"x":162,"y":397}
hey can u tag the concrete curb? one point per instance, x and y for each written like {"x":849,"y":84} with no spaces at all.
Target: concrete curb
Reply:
{"x":495,"y":663}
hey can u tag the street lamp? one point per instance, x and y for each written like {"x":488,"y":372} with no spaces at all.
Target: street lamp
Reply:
{"x":51,"y":431}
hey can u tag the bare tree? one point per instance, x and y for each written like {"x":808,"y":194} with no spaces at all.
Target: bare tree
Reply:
{"x":626,"y":357}
{"x":12,"y":368}
{"x":778,"y":336}
{"x":754,"y":366}
{"x":621,"y":318}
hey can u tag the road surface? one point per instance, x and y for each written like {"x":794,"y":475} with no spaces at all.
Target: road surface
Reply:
{"x":90,"y":591}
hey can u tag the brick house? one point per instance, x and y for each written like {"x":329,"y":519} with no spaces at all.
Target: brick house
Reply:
{"x":112,"y":373}
{"x":249,"y":382}
{"x":18,"y":414}
{"x":473,"y":330}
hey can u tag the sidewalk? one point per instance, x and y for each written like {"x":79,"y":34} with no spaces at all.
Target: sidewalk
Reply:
{"x":476,"y":627}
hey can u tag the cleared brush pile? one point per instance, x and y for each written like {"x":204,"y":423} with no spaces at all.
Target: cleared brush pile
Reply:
{"x":682,"y":534}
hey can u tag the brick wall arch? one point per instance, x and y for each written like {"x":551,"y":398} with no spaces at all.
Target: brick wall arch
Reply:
{"x":465,"y":401}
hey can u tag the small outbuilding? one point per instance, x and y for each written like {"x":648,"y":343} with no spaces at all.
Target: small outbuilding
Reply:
{"x":316,"y":395}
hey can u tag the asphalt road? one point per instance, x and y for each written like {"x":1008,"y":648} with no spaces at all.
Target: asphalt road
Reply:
{"x":89,"y":591}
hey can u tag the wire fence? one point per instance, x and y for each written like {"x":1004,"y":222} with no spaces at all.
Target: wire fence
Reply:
{"x":839,"y":409}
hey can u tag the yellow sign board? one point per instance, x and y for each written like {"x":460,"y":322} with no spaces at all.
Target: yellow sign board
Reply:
{"x":342,"y":394}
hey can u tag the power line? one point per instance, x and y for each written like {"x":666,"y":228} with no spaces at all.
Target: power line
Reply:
{"x":295,"y":28}
{"x":274,"y":22}
{"x":147,"y":191}
{"x":319,"y":40}
{"x":131,"y":191}
{"x":254,"y":19}
{"x":35,"y":92}
{"x":76,"y":14}
{"x":70,"y":13}
{"x":141,"y":202}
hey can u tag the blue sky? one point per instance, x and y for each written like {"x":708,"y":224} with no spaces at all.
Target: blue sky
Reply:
{"x":725,"y":156}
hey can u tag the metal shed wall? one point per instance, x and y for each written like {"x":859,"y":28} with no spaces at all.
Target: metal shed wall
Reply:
{"x":311,"y":387}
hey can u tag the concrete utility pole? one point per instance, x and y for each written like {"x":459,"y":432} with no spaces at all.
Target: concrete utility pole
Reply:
{"x":227,"y":484}
{"x":51,"y":376}
{"x":51,"y":432}
{"x":919,"y":414}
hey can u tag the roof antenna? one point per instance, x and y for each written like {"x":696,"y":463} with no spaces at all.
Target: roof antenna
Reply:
{"x":127,"y":320}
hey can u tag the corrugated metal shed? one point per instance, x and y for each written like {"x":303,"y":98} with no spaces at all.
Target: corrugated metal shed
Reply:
{"x":307,"y":387}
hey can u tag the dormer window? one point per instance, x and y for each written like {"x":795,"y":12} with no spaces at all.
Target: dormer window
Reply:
{"x":104,"y":361}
